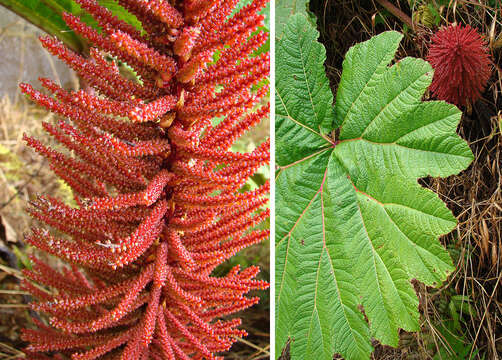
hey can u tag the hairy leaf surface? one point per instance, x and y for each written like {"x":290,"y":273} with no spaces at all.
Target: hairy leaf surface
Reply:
{"x":353,"y":226}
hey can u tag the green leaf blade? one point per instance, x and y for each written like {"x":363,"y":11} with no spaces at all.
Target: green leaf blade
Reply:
{"x":285,"y":282}
{"x":356,"y":81}
{"x":296,"y":86}
{"x":351,"y":332}
{"x":302,"y":160}
{"x":305,"y":177}
{"x":367,"y":228}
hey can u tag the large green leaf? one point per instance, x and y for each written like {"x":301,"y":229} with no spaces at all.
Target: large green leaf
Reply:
{"x":353,"y":226}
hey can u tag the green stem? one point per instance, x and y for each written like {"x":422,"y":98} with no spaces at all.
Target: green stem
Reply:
{"x":397,"y":13}
{"x":45,"y":20}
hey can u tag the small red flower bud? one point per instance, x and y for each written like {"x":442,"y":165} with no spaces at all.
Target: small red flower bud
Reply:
{"x":184,"y":44}
{"x":461,"y":64}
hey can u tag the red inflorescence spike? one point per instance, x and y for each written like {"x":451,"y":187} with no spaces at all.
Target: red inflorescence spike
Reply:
{"x":158,"y":189}
{"x":461,"y":63}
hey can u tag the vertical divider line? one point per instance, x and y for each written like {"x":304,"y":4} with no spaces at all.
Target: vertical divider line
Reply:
{"x":272,"y":180}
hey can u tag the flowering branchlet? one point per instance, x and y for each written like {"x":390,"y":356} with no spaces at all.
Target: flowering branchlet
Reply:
{"x":461,"y":63}
{"x":157,"y":188}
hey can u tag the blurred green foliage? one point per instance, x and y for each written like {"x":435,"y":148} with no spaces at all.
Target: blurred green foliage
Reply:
{"x":47,"y":15}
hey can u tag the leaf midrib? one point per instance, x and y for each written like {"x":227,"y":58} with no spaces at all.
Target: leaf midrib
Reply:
{"x":349,"y":110}
{"x":308,"y":88}
{"x":400,"y":145}
{"x":382,"y":204}
{"x":411,"y":241}
{"x":299,"y":218}
{"x":291,"y":118}
{"x":342,"y":304}
{"x":284,"y":167}
{"x":391,"y":101}
{"x":375,"y":253}
{"x":324,"y":249}
{"x":283,"y":277}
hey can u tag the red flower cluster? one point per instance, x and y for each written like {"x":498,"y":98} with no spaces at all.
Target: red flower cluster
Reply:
{"x":155,"y":181}
{"x":461,"y":64}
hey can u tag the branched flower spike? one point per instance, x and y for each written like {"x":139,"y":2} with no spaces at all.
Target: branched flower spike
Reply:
{"x":461,"y":63}
{"x":157,"y":187}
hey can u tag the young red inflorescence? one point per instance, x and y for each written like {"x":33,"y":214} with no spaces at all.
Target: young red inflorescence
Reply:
{"x":158,"y":189}
{"x":461,"y":63}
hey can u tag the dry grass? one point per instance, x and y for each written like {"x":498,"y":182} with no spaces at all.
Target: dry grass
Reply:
{"x":23,"y":174}
{"x":475,"y":195}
